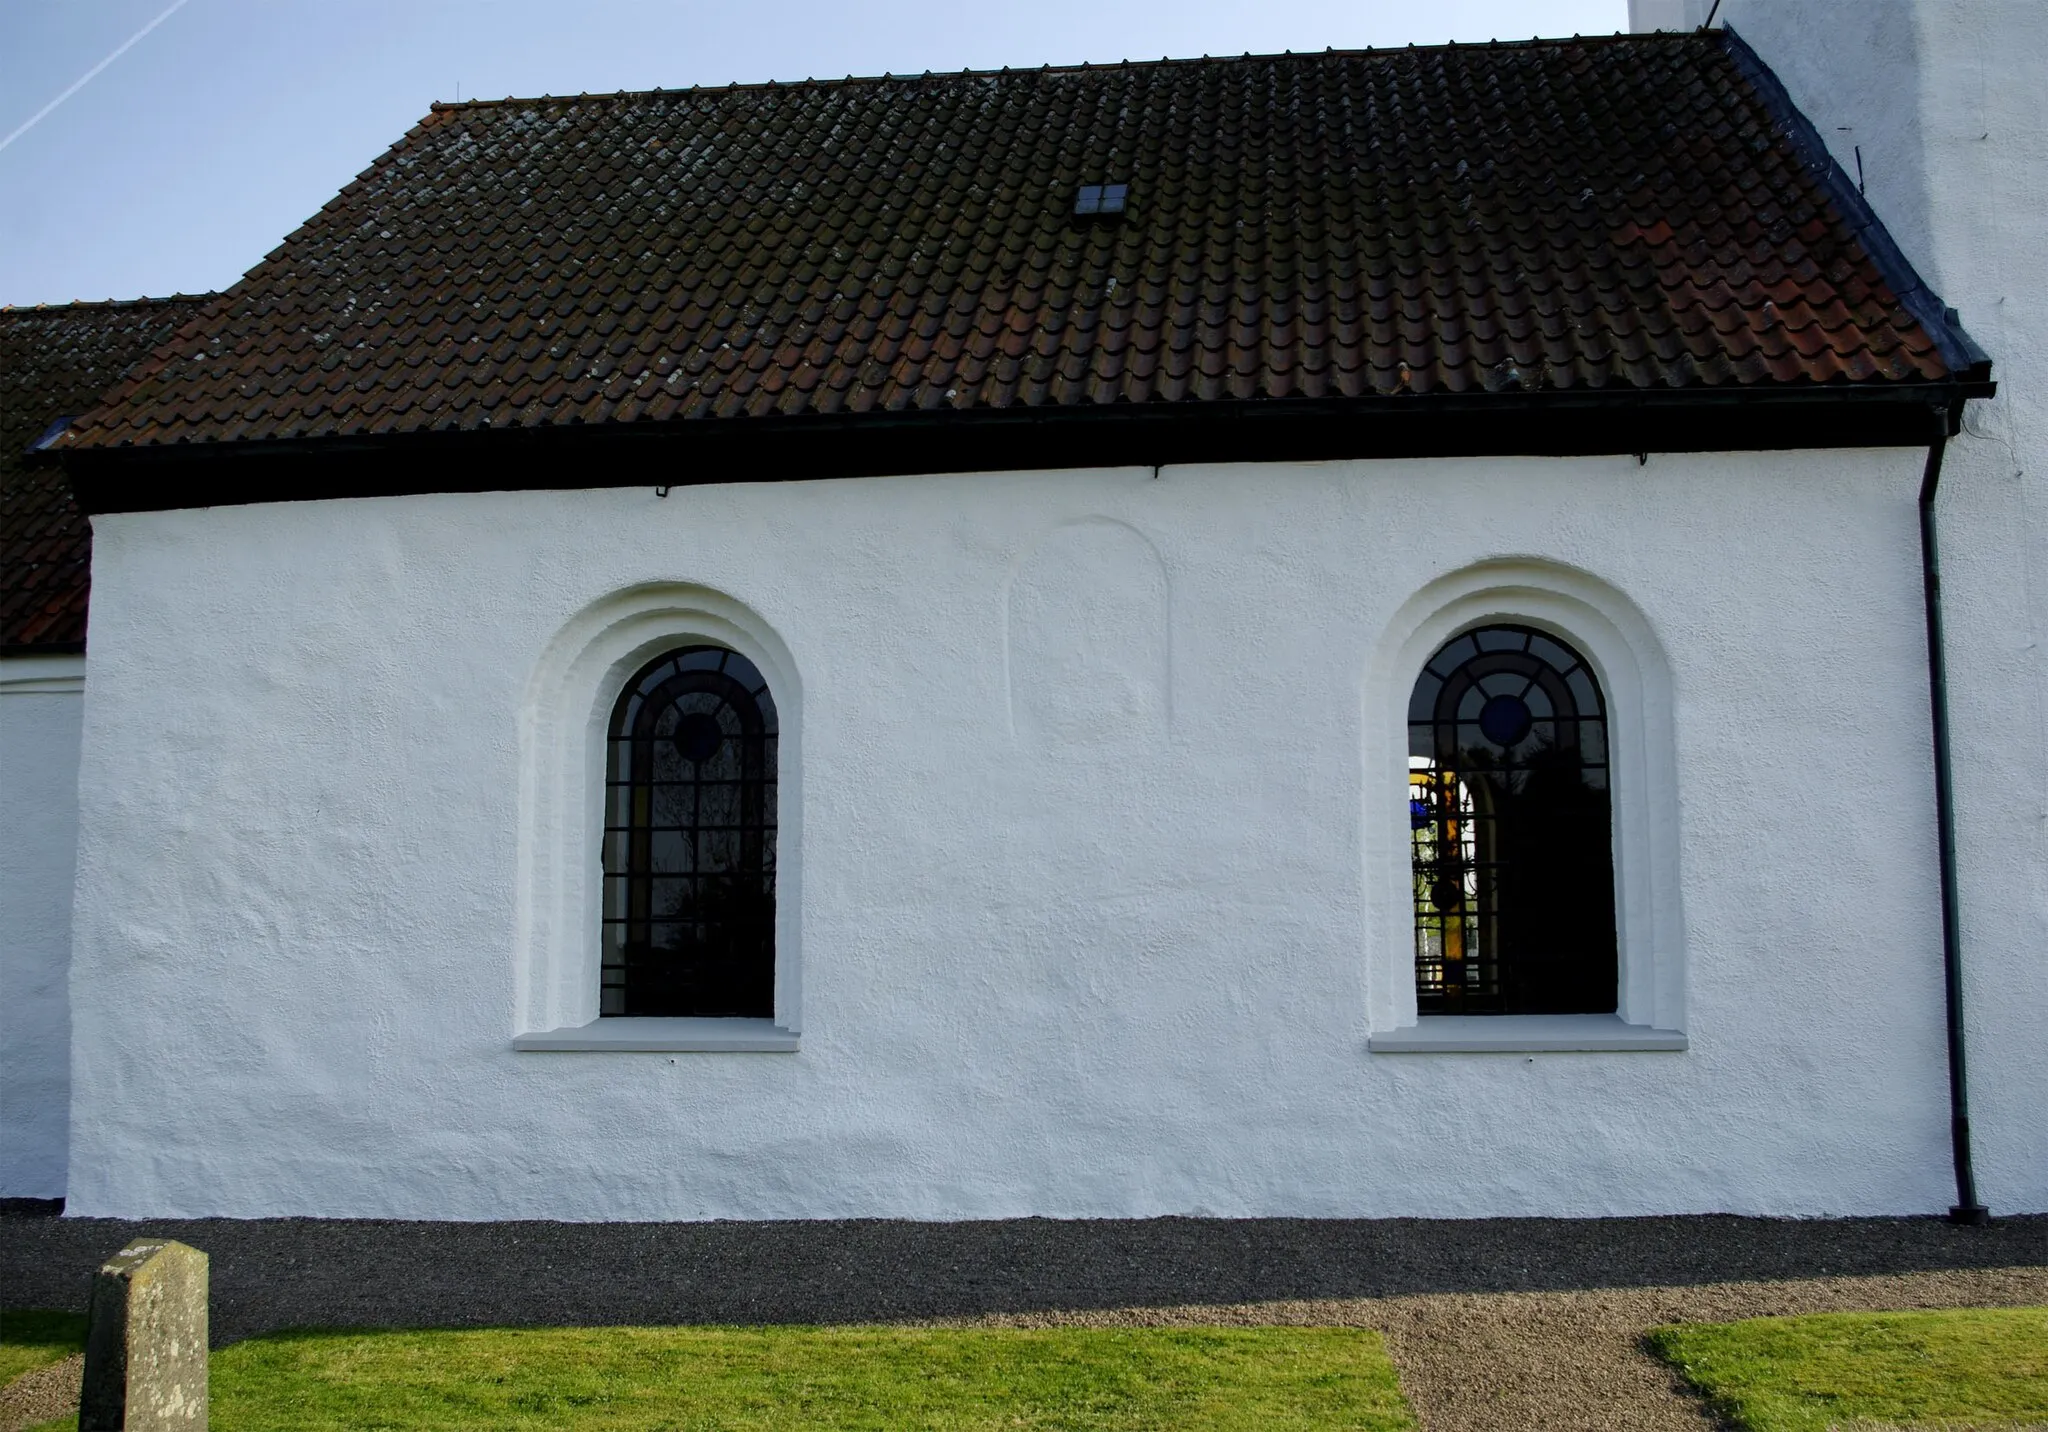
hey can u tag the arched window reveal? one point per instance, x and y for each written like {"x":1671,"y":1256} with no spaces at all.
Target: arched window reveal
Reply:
{"x":1511,"y":820}
{"x":689,"y":841}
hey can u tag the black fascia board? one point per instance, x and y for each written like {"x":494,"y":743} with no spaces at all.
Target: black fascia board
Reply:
{"x":1588,"y":422}
{"x":1958,"y":349}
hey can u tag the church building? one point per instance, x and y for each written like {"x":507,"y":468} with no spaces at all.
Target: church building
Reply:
{"x":1433,"y":632}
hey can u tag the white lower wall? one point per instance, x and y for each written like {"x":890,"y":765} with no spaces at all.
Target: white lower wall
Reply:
{"x":1086,"y":923}
{"x":41,"y":703}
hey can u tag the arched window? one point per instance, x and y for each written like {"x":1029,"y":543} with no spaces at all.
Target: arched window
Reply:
{"x":689,"y":840}
{"x":1512,"y":848}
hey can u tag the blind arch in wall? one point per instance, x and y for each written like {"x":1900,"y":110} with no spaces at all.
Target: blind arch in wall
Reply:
{"x":689,"y":840}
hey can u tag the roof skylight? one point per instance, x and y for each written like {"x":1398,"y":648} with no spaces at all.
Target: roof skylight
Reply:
{"x":1099,"y":199}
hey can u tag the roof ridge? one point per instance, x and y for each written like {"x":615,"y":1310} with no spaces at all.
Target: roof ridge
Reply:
{"x":1661,"y":37}
{"x":106,"y":303}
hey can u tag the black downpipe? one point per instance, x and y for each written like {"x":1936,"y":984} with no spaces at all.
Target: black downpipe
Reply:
{"x":1967,"y":1209}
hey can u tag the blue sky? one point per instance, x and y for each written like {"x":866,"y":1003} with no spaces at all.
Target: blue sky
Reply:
{"x":184,"y":161}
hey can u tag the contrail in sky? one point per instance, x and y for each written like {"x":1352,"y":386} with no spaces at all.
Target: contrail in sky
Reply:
{"x":81,"y":82}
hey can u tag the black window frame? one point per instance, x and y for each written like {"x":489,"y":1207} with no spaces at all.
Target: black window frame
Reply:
{"x":689,"y":842}
{"x":1511,"y":821}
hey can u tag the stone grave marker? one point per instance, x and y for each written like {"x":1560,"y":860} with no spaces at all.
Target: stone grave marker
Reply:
{"x":145,"y":1341}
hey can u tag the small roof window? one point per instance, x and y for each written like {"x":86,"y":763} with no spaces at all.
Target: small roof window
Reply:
{"x":1099,"y":199}
{"x":50,"y":434}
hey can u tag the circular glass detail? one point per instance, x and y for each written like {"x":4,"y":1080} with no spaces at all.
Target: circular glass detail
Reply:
{"x":698,"y":736}
{"x":1505,"y":720}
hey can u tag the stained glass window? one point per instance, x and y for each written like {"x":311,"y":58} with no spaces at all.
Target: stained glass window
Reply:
{"x":1511,"y":829}
{"x":689,"y":841}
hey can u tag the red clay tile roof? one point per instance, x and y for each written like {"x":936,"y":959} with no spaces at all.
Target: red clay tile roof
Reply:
{"x":1624,"y":213}
{"x":57,"y":362}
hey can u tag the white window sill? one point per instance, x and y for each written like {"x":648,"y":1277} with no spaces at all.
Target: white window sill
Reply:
{"x":1521,"y":1034}
{"x":665,"y":1036}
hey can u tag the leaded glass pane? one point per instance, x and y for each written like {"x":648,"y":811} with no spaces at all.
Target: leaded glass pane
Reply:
{"x":689,"y":843}
{"x":1511,"y":829}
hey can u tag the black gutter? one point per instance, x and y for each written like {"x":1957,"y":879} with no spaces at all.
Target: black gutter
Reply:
{"x":1966,"y":1209}
{"x":1543,"y":423}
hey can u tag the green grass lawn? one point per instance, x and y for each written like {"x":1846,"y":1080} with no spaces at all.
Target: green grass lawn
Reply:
{"x":31,"y":1339}
{"x":1974,"y":1367}
{"x":942,"y":1379}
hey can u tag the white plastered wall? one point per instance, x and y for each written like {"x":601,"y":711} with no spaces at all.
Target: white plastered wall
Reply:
{"x":41,"y":702}
{"x":1084,"y":916}
{"x":1647,"y":15}
{"x":1942,"y":99}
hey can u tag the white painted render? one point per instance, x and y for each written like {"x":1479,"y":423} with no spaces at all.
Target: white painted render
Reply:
{"x":1943,"y":98}
{"x":1088,"y":848}
{"x":1647,"y":15}
{"x":41,"y":704}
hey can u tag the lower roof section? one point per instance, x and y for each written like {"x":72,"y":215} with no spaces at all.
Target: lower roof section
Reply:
{"x":56,"y":362}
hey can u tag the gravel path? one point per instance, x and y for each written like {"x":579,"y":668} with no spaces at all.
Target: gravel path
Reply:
{"x":273,"y":1273}
{"x":1494,"y":1323}
{"x":1570,"y":1362}
{"x":42,"y":1394}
